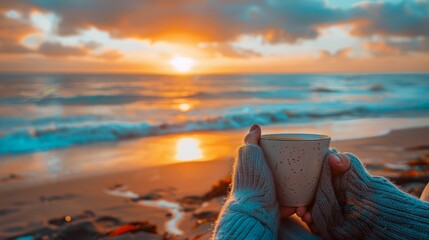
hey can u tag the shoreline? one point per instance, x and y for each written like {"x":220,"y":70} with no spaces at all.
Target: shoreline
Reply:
{"x":100,"y":159}
{"x":104,"y":158}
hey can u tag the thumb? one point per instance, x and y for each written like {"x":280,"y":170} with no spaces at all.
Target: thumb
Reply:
{"x":339,"y":163}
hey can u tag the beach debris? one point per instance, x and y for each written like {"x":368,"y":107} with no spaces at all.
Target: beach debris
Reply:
{"x":68,"y":218}
{"x":174,"y":208}
{"x":417,"y":148}
{"x":149,"y":196}
{"x":219,"y":189}
{"x":420,"y":161}
{"x":4,"y":212}
{"x":108,"y":221}
{"x":134,"y":227}
{"x":205,"y":217}
{"x":116,"y":186}
{"x":11,"y":177}
{"x":65,"y":196}
{"x":41,"y":233}
{"x":81,"y":230}
{"x":206,"y":235}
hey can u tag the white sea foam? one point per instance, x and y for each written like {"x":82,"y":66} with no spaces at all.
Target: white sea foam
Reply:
{"x":172,"y":225}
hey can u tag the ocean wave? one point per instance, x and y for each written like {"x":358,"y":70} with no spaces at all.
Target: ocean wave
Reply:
{"x":77,"y":100}
{"x":371,"y":88}
{"x":118,"y":99}
{"x":272,"y":94}
{"x":62,"y":136}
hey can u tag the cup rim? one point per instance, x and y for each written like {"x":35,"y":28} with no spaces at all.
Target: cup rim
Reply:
{"x":306,"y":136}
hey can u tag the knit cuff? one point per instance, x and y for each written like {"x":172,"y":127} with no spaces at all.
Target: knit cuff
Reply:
{"x":251,"y":210}
{"x":252,"y":176}
{"x":357,"y":205}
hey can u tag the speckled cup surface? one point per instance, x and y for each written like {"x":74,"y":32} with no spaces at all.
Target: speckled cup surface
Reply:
{"x":296,"y":162}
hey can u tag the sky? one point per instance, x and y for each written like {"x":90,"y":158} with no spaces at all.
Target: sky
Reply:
{"x":222,"y":36}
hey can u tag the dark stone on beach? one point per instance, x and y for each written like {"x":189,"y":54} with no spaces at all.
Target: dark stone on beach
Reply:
{"x":170,"y":236}
{"x":191,"y":200}
{"x":149,"y":196}
{"x":417,"y":148}
{"x":83,"y":230}
{"x":116,"y":186}
{"x":11,"y":177}
{"x":188,"y":209}
{"x":68,"y":219}
{"x":401,"y":180}
{"x":4,"y":212}
{"x":108,"y":221}
{"x":37,"y":234}
{"x":134,"y":227}
{"x":205,"y":217}
{"x":219,"y":189}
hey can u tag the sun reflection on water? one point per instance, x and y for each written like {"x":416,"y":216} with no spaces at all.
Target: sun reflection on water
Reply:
{"x":188,"y":149}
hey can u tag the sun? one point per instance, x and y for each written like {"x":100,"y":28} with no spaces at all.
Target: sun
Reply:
{"x":182,"y":64}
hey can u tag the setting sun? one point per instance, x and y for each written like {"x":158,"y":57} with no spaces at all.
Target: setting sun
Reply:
{"x":182,"y":64}
{"x":184,"y":107}
{"x":188,"y":149}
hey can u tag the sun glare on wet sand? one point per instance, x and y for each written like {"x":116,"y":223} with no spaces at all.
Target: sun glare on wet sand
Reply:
{"x":188,"y":149}
{"x":182,"y":64}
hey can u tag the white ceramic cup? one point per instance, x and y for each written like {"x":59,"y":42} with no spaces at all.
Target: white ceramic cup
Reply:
{"x":296,"y":161}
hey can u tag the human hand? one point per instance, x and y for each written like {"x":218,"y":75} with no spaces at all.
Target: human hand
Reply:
{"x":339,"y":164}
{"x":351,"y":203}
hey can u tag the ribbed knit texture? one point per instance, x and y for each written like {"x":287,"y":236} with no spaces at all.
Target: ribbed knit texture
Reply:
{"x":359,"y":206}
{"x":251,"y":211}
{"x":354,"y":205}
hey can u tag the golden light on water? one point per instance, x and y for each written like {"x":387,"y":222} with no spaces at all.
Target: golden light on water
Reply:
{"x":184,"y":107}
{"x":182,"y":64}
{"x":188,"y":149}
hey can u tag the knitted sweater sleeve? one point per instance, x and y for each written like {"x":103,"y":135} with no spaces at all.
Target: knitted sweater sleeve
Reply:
{"x":251,"y":210}
{"x":357,"y":205}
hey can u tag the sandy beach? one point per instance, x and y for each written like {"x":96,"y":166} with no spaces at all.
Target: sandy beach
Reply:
{"x":175,"y":200}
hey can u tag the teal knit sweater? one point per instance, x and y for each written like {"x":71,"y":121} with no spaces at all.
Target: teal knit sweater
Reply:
{"x":355,"y":205}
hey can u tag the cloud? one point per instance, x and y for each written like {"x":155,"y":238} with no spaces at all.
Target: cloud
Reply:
{"x":227,"y":50}
{"x":381,"y":48}
{"x":192,"y":20}
{"x":220,"y":23}
{"x":54,"y":49}
{"x":404,"y":19}
{"x":342,"y":53}
{"x":225,"y":21}
{"x":419,"y":45}
{"x":111,"y":55}
{"x":11,"y":34}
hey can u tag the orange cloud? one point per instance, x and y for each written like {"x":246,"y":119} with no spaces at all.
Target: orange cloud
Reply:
{"x":381,"y":48}
{"x":342,"y":53}
{"x":11,"y":34}
{"x":58,"y":50}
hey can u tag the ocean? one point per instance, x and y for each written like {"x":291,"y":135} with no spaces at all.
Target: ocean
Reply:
{"x":41,"y":112}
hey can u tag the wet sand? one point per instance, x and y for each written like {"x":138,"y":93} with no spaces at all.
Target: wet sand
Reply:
{"x":178,"y":198}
